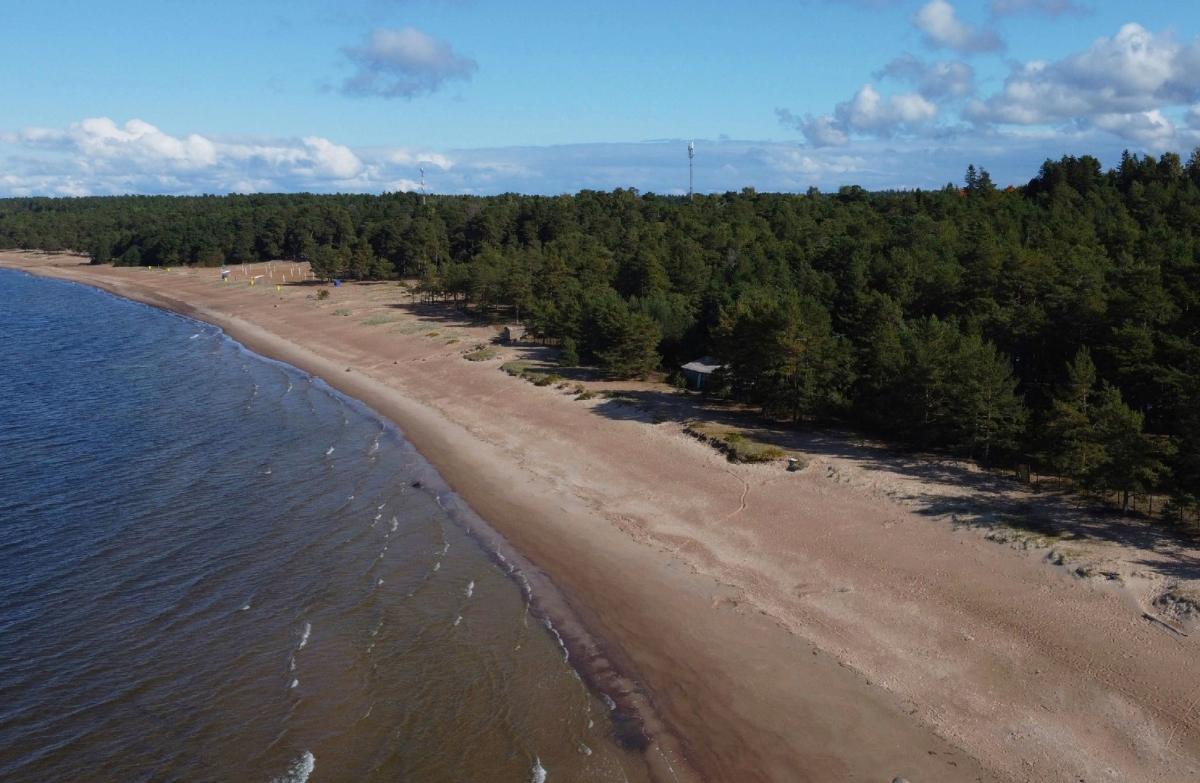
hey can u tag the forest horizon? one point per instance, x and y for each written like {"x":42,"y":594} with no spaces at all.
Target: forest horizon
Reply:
{"x":1053,"y":326}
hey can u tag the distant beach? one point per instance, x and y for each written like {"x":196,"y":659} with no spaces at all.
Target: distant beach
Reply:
{"x":747,"y":623}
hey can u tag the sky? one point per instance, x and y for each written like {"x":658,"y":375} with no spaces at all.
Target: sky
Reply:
{"x":542,"y":96}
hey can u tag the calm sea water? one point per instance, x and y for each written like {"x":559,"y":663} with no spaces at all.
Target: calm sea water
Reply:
{"x":214,"y":568}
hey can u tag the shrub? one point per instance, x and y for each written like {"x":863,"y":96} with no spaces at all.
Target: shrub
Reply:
{"x":323,"y":294}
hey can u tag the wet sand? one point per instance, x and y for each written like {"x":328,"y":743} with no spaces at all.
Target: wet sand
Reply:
{"x":762,"y":625}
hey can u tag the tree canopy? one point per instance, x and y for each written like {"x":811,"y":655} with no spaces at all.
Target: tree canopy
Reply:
{"x":1056,"y":324}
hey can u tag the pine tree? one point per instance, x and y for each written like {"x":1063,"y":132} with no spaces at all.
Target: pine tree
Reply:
{"x":1132,"y":461}
{"x":1069,"y":444}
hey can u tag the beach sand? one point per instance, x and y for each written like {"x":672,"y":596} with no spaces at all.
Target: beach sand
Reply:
{"x":757,"y":625}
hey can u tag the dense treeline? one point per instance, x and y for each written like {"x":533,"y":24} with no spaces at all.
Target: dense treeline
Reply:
{"x":1056,"y":324}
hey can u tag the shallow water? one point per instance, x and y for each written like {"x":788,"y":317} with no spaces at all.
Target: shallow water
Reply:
{"x":213,"y":567}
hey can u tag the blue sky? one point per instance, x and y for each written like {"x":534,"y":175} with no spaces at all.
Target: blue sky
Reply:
{"x":551,"y":97}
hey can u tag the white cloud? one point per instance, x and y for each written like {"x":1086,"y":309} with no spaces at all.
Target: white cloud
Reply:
{"x":822,"y":131}
{"x":1047,"y":7}
{"x":1135,"y":75}
{"x":332,"y":160}
{"x":870,"y":112}
{"x":56,"y":162}
{"x":104,"y":157}
{"x":404,"y":63}
{"x":942,"y":28}
{"x":937,"y":80}
{"x":135,"y":143}
{"x":1149,"y":128}
{"x":416,"y":158}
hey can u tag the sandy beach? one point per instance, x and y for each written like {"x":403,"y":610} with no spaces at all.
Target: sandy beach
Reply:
{"x":870,"y":616}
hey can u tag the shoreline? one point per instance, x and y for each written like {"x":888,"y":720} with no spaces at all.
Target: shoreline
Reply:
{"x":631,"y":715}
{"x":746,"y":658}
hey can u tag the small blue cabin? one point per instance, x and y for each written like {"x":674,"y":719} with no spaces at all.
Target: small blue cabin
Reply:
{"x":697,"y":373}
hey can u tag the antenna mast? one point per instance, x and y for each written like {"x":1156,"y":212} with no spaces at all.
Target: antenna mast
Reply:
{"x":691,"y":167}
{"x":422,"y":186}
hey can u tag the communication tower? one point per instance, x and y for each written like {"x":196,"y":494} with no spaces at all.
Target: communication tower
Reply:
{"x":691,"y":168}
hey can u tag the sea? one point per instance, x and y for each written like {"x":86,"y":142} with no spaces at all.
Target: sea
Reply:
{"x":214,"y":567}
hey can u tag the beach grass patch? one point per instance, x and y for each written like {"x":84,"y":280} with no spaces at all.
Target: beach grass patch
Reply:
{"x":735,"y":444}
{"x":341,"y":311}
{"x":378,"y":320}
{"x":515,"y":368}
{"x":481,"y":354}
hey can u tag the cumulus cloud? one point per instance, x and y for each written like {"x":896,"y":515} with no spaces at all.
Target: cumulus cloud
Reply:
{"x":822,"y":131}
{"x":1148,"y":128}
{"x":1047,"y":7}
{"x":942,"y":29}
{"x":868,"y":112}
{"x":404,"y":63}
{"x":1120,"y":84}
{"x":871,"y":112}
{"x":935,"y":81}
{"x":136,"y":142}
{"x":97,"y":155}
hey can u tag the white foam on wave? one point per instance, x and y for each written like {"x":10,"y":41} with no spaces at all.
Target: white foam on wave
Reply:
{"x":379,"y":581}
{"x":470,"y":591}
{"x":330,"y":451}
{"x":437,"y":566}
{"x":300,"y":770}
{"x":457,"y":620}
{"x":194,"y":336}
{"x":395,"y":524}
{"x":584,"y":749}
{"x":304,"y":636}
{"x":295,"y":682}
{"x":292,"y":664}
{"x":245,"y":608}
{"x":538,"y":773}
{"x":380,"y":506}
{"x":550,"y":627}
